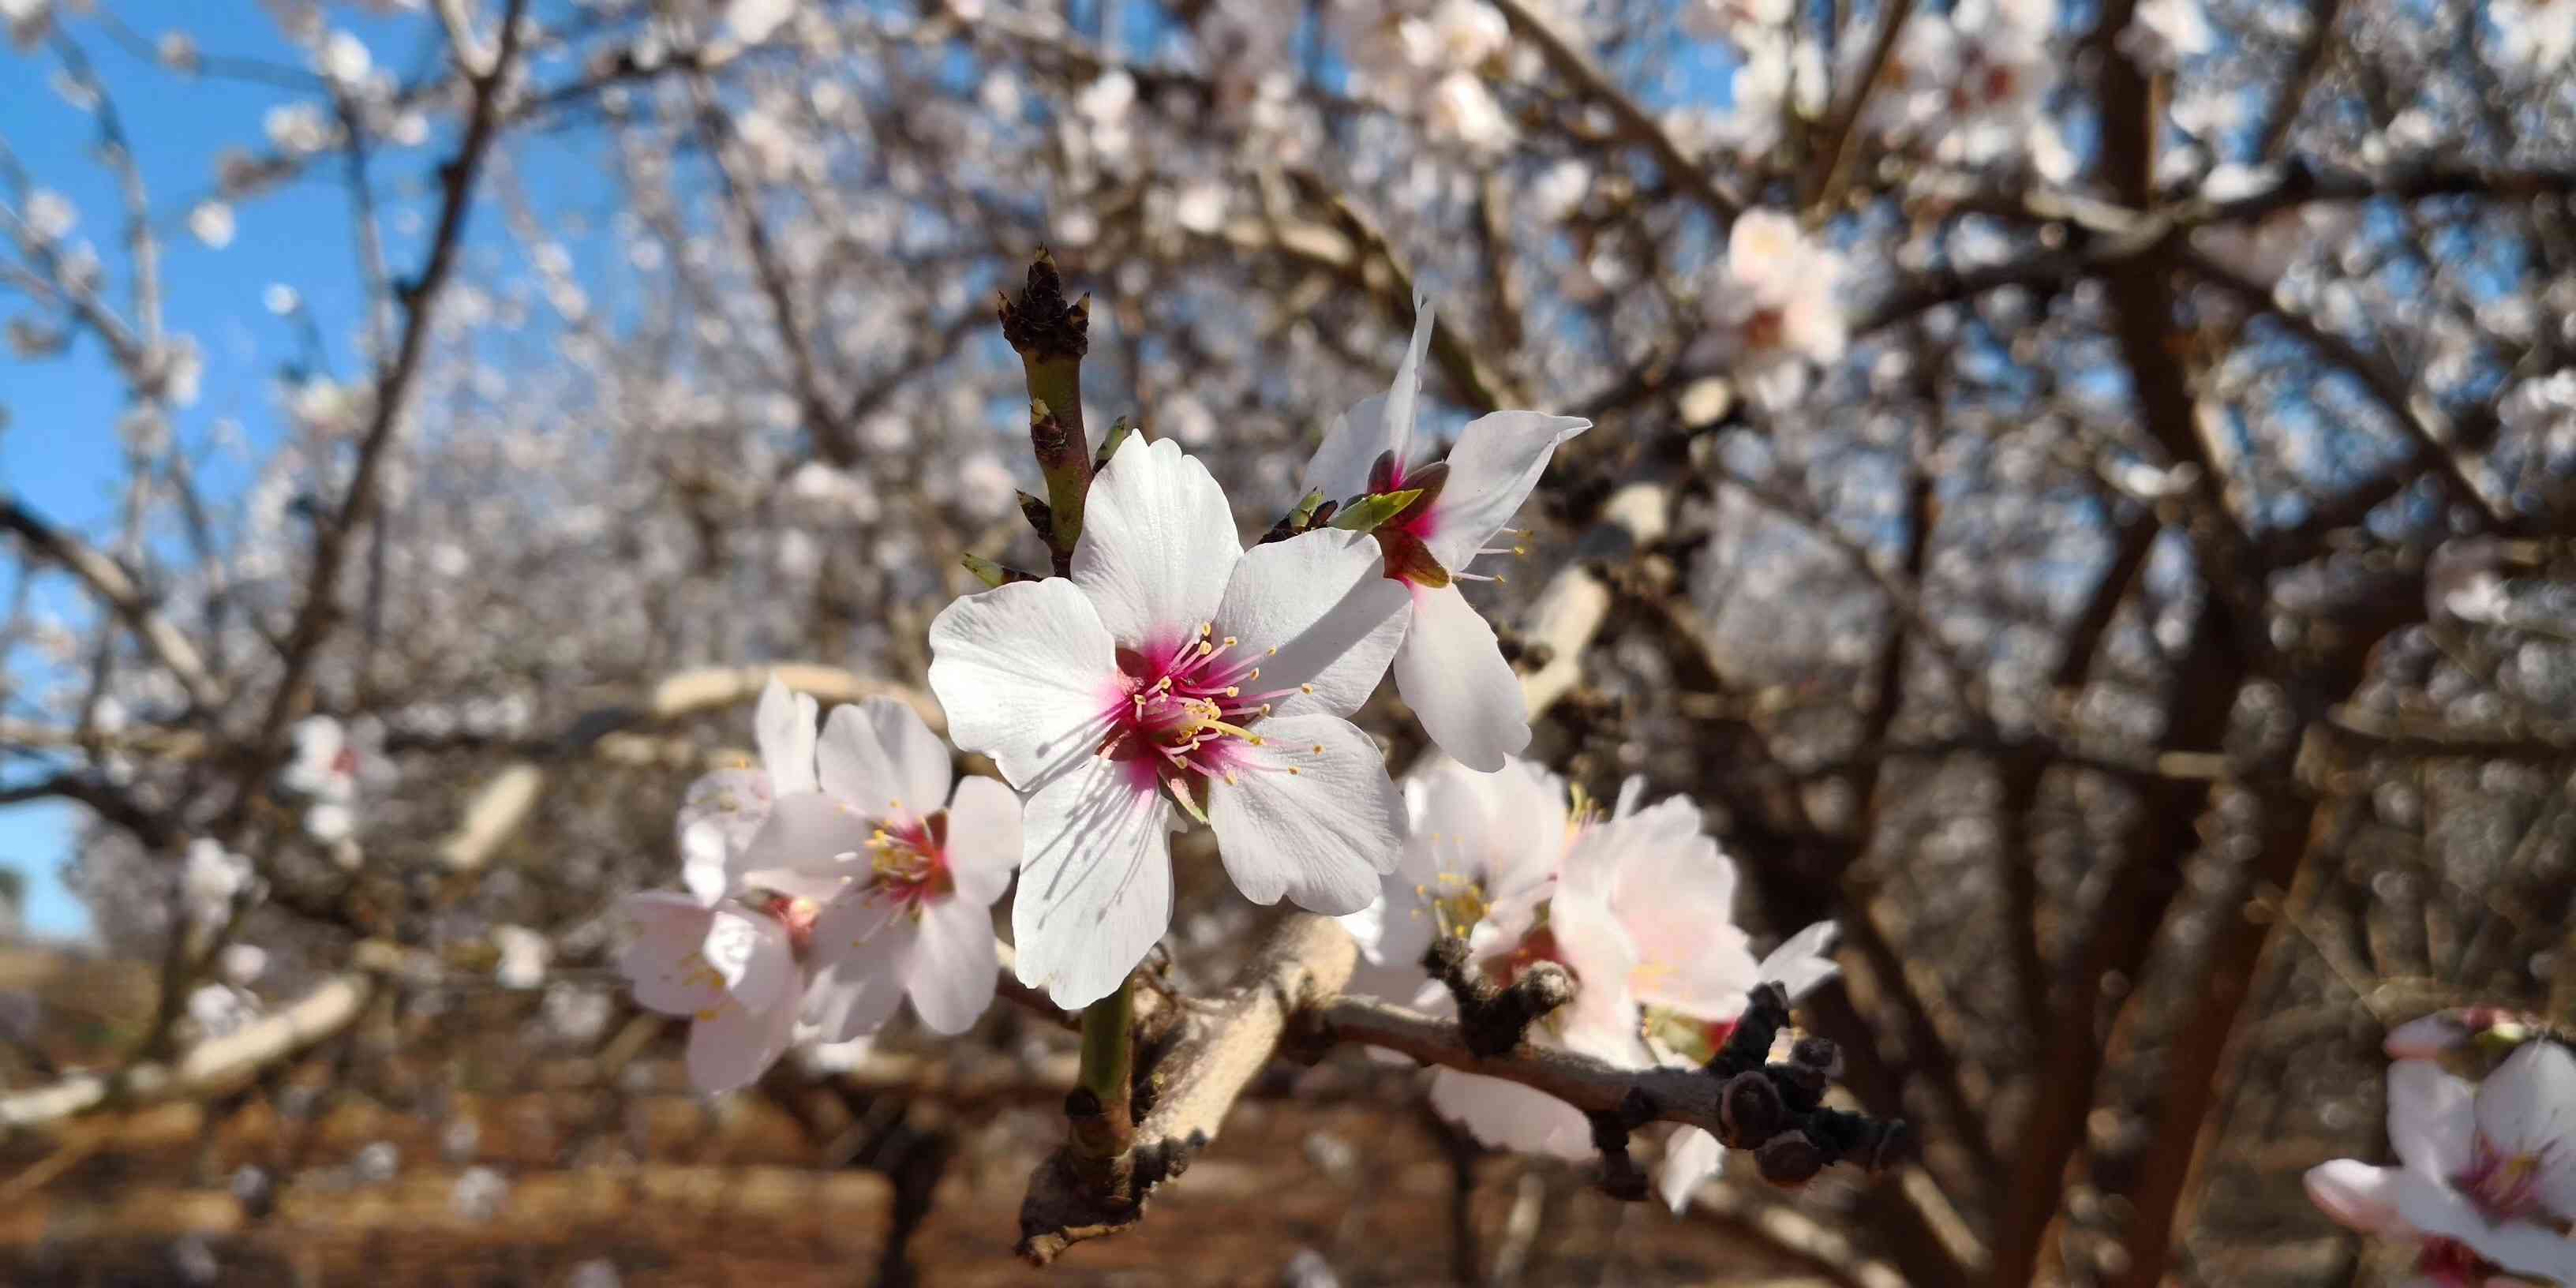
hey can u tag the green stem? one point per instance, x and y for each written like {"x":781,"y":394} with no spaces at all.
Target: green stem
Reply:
{"x":1107,"y":1074}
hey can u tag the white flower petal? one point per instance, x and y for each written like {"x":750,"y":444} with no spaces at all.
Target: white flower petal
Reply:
{"x":811,"y":844}
{"x":2519,"y":1246}
{"x":1492,"y":470}
{"x":1803,"y":961}
{"x":1323,"y":601}
{"x":720,"y":814}
{"x":923,"y":768}
{"x":1322,"y":834}
{"x":737,"y":1043}
{"x":664,"y":964}
{"x":1690,"y":1156}
{"x":984,"y":839}
{"x":784,"y":726}
{"x":953,"y":972}
{"x":1452,"y":672}
{"x":1507,"y":1115}
{"x":2357,"y":1195}
{"x":2528,"y":1107}
{"x":1027,"y":674}
{"x":1340,"y":468}
{"x":1158,"y":544}
{"x":1096,"y":884}
{"x":862,"y":950}
{"x":2431,"y":1118}
{"x":1404,"y":397}
{"x":751,"y":951}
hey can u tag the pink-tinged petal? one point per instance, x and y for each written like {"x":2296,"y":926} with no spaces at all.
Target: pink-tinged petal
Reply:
{"x":1803,"y":962}
{"x":953,"y":972}
{"x":1026,"y":673}
{"x":663,"y":963}
{"x":751,"y":951}
{"x":984,"y":839}
{"x":2528,"y":1105}
{"x":1309,"y":814}
{"x":1096,"y":884}
{"x":2431,"y":1118}
{"x":1602,"y":1020}
{"x":1503,"y":830}
{"x":2434,"y":1208}
{"x":1323,"y":602}
{"x":854,"y":768}
{"x":1452,"y":672}
{"x":862,"y":951}
{"x":736,"y":1044}
{"x":718,"y":817}
{"x":1158,"y":543}
{"x":923,"y":768}
{"x":2357,"y":1195}
{"x":1507,"y":1115}
{"x":812,"y":844}
{"x":1690,"y":1157}
{"x":1492,"y":470}
{"x":784,"y":726}
{"x":2428,"y":1036}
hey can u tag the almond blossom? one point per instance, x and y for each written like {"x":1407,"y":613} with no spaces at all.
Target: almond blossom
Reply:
{"x":1450,"y":668}
{"x":325,"y":771}
{"x":1639,"y":907}
{"x":1175,"y":666}
{"x":2487,"y":1172}
{"x":724,"y":809}
{"x":904,"y":873}
{"x":731,"y":968}
{"x":1775,"y":304}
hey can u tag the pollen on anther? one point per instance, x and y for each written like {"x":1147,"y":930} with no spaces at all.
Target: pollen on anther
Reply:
{"x":1293,"y":769}
{"x":1274,"y":652}
{"x":1256,"y":740}
{"x":1319,"y":749}
{"x":1305,"y":688}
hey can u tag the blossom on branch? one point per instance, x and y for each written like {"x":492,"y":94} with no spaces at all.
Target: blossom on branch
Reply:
{"x":1175,"y":666}
{"x":2486,"y":1181}
{"x":1450,"y":667}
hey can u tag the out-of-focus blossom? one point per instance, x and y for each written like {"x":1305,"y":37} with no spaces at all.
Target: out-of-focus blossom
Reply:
{"x":1429,"y":60}
{"x":212,"y":223}
{"x":1971,"y":84}
{"x":754,"y":21}
{"x":524,"y":955}
{"x":343,"y":58}
{"x":1775,"y":304}
{"x":2428,"y":1037}
{"x":241,"y":964}
{"x":906,"y":873}
{"x":28,"y":21}
{"x":731,"y":969}
{"x":49,"y":215}
{"x":2486,"y":1171}
{"x":2534,"y":36}
{"x":211,"y":879}
{"x":724,"y":809}
{"x":1175,"y":666}
{"x":325,"y":771}
{"x":1450,"y":667}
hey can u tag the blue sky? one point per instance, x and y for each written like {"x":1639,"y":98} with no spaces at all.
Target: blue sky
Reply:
{"x":59,"y":451}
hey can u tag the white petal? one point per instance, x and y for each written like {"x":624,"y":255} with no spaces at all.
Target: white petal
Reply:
{"x":720,"y":814}
{"x":1158,"y":544}
{"x":1691,"y":1156}
{"x":2528,"y":1105}
{"x":2357,"y":1195}
{"x":2427,"y":1036}
{"x":1507,"y":1115}
{"x":2519,"y":1246}
{"x":1340,"y":468}
{"x":751,"y":951}
{"x":1491,"y":472}
{"x":1452,"y":672}
{"x":1803,"y":961}
{"x":1322,"y":834}
{"x":2431,"y":1118}
{"x":1323,"y":601}
{"x":1096,"y":885}
{"x":784,"y":726}
{"x":1027,"y":674}
{"x":922,"y":766}
{"x":862,"y":951}
{"x":1505,"y":830}
{"x":1601,"y":1021}
{"x":1374,"y":426}
{"x":663,"y":963}
{"x":854,"y":766}
{"x":952,"y":973}
{"x":737,"y":1043}
{"x":812,"y":843}
{"x":984,"y":839}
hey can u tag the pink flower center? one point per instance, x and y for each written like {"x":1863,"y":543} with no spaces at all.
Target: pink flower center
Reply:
{"x":1183,"y":711}
{"x":345,"y":764}
{"x":909,"y":863}
{"x":797,"y":915}
{"x":2451,"y":1264}
{"x":2505,"y":1185}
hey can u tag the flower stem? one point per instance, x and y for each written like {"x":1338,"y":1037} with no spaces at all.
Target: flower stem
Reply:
{"x":1104,"y":1123}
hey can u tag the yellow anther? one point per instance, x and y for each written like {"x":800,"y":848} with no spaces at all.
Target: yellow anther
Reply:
{"x":1319,"y":749}
{"x":1305,"y":688}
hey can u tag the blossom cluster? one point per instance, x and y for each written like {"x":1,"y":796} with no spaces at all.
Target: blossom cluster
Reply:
{"x":831,"y":881}
{"x":2484,"y":1189}
{"x":1430,"y":60}
{"x":1635,"y":903}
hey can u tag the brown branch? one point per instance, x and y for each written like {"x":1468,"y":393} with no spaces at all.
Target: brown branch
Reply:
{"x":1636,"y":124}
{"x":122,"y":593}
